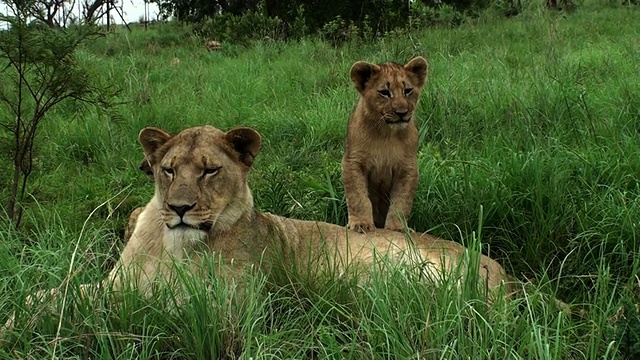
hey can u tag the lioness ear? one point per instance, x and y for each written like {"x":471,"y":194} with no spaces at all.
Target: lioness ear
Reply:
{"x":361,"y":72}
{"x":246,"y":141}
{"x":145,"y":166}
{"x":152,"y":139}
{"x":418,"y":65}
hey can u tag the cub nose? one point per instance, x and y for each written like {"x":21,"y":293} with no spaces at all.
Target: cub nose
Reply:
{"x":401,"y":113}
{"x":181,"y":209}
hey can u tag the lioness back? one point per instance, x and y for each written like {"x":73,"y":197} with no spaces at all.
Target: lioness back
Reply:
{"x":379,"y":167}
{"x":338,"y":247}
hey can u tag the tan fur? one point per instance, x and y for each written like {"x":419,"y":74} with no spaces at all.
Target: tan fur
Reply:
{"x":379,"y":167}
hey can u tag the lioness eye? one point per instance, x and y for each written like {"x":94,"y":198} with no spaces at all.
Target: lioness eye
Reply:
{"x":385,"y":93}
{"x":211,"y":171}
{"x":168,"y":170}
{"x":408,"y":91}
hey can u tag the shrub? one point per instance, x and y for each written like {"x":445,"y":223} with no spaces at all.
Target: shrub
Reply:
{"x":40,"y":71}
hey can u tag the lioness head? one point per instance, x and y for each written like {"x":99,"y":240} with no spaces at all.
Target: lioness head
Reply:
{"x":390,"y":91}
{"x":201,"y":175}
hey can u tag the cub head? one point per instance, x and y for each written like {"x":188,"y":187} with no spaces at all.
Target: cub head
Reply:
{"x":201,"y":175}
{"x":390,"y":91}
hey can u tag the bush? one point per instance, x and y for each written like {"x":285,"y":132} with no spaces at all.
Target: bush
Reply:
{"x":242,"y":28}
{"x":423,"y":16}
{"x":40,"y":72}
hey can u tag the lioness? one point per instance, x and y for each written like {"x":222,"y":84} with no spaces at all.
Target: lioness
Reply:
{"x":203,"y":204}
{"x":202,"y":201}
{"x":379,"y":167}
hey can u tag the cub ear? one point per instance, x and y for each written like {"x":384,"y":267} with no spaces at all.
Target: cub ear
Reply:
{"x":246,"y":141}
{"x":152,"y":139}
{"x":419,"y":67}
{"x":361,"y":72}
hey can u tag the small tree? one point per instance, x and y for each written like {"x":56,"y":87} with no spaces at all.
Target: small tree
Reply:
{"x":92,"y":10}
{"x":51,"y":12}
{"x":39,"y":71}
{"x":60,"y":13}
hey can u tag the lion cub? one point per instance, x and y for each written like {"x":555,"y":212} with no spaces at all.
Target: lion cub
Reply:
{"x":379,"y":167}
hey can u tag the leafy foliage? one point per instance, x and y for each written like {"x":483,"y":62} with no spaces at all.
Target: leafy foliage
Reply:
{"x":336,"y":19}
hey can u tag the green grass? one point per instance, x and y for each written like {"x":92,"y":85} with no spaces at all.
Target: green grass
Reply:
{"x":530,"y":130}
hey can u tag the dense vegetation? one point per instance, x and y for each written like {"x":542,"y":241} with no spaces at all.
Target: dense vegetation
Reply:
{"x":530,"y":143}
{"x":335,"y":20}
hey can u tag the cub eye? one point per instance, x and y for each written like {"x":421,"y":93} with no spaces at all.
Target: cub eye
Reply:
{"x":385,"y":93}
{"x":168,"y":170}
{"x":211,"y":170}
{"x":408,"y":91}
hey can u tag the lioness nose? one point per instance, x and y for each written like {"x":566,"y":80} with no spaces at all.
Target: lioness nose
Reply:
{"x":401,"y":113}
{"x":181,"y":209}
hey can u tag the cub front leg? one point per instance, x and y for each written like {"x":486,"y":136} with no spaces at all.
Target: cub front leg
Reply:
{"x":401,"y":197}
{"x":357,"y":194}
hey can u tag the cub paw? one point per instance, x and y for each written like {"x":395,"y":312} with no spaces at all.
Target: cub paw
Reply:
{"x":394,"y":224}
{"x":399,"y":228}
{"x":361,"y":227}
